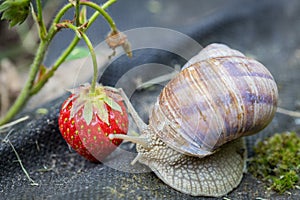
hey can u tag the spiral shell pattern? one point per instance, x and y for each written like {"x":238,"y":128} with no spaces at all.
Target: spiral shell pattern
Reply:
{"x":220,"y":95}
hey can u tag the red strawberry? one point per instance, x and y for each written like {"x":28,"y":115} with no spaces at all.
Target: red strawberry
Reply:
{"x":86,"y":119}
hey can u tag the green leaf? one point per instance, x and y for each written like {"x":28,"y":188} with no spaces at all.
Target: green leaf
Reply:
{"x":77,"y":53}
{"x":15,"y":11}
{"x":88,"y":112}
{"x":114,"y":105}
{"x":102,"y":112}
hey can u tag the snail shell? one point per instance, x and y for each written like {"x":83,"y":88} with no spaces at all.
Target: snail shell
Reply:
{"x":219,"y":96}
{"x":194,"y":138}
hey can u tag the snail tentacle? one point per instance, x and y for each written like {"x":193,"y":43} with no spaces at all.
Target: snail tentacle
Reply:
{"x":138,"y":120}
{"x":134,"y":139}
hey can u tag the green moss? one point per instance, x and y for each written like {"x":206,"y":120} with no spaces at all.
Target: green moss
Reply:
{"x":277,"y":161}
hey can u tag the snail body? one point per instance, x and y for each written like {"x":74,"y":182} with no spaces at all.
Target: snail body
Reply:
{"x":194,"y":138}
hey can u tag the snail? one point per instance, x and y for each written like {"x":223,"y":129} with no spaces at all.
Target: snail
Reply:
{"x":194,"y":140}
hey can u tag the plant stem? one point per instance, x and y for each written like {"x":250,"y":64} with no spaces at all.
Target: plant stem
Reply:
{"x":24,"y":95}
{"x":30,"y":88}
{"x":108,"y":3}
{"x":94,"y":59}
{"x":53,"y":29}
{"x":41,"y":24}
{"x":69,"y":49}
{"x":92,"y":51}
{"x":40,"y":54}
{"x":103,"y":13}
{"x":77,"y":7}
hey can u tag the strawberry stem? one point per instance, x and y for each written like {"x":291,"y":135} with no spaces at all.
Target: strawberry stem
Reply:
{"x":107,"y":17}
{"x":77,"y":11}
{"x":92,"y":51}
{"x":94,"y":59}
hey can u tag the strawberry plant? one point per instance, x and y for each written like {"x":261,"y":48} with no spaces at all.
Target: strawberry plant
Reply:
{"x":16,"y":11}
{"x":92,"y":111}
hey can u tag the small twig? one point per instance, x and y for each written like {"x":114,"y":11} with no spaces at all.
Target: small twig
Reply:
{"x":45,"y":169}
{"x":37,"y":145}
{"x":260,"y":198}
{"x":288,"y":193}
{"x":6,"y":140}
{"x":14,"y":122}
{"x":288,"y":112}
